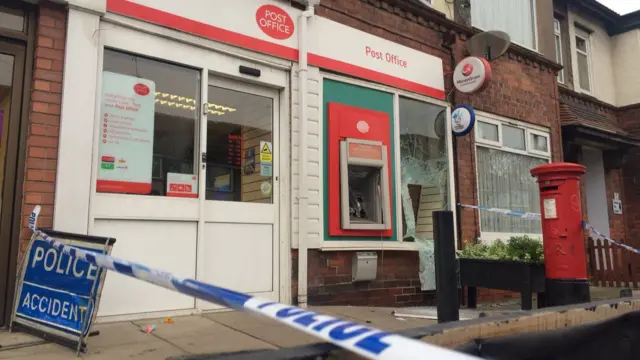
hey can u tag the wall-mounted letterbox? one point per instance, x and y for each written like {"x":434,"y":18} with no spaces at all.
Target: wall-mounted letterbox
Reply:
{"x":364,"y":188}
{"x":359,"y":172}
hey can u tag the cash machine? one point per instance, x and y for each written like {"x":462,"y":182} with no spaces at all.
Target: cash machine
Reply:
{"x":359,"y":172}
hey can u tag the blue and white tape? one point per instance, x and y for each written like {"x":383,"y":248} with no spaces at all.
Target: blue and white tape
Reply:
{"x":602,"y":236}
{"x":516,"y":213}
{"x":362,"y":340}
{"x":534,"y":216}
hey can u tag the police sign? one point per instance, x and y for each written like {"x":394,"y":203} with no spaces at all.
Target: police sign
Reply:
{"x":58,"y":294}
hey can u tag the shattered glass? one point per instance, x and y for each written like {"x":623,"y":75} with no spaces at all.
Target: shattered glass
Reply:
{"x":424,"y":178}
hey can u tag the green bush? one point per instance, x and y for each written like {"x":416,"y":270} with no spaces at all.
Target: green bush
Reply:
{"x":518,"y":248}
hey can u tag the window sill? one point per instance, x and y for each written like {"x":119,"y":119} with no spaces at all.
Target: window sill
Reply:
{"x":329,"y":245}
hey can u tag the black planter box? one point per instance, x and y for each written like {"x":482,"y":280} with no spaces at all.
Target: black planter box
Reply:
{"x":516,"y":276}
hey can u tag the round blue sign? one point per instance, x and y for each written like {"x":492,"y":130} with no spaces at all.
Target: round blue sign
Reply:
{"x":463,"y":118}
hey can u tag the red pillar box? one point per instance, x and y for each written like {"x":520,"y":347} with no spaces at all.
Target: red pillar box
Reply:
{"x":563,"y":236}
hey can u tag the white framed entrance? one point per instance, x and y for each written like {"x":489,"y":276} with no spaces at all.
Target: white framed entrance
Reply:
{"x":191,"y":237}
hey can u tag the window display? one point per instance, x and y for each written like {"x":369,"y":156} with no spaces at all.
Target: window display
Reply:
{"x":239,"y":146}
{"x":148,"y":124}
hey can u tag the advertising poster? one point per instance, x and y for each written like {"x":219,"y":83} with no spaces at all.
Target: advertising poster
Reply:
{"x":126,"y":134}
{"x":266,"y":158}
{"x":182,"y":185}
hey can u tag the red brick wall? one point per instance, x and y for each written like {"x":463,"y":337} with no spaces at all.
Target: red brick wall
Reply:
{"x":629,"y":119}
{"x":520,"y":89}
{"x":44,"y":118}
{"x":397,"y":283}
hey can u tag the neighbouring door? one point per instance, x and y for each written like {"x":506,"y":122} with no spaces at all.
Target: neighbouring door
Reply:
{"x":240,"y":247}
{"x":12,"y":58}
{"x":597,"y":204}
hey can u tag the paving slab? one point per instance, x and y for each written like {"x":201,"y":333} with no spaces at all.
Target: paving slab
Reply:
{"x":264,"y":329}
{"x":223,"y":341}
{"x":45,"y":350}
{"x":381,"y":318}
{"x":143,"y":351}
{"x":198,"y":334}
{"x":118,"y":334}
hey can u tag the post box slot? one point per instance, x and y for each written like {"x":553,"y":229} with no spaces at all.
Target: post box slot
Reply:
{"x":548,"y":188}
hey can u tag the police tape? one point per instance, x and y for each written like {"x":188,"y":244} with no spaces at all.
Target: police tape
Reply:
{"x":362,"y":340}
{"x":601,"y":236}
{"x":516,"y":213}
{"x":534,"y":216}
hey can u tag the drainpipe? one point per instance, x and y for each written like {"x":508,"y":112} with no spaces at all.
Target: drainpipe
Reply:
{"x":303,"y":196}
{"x":450,"y":46}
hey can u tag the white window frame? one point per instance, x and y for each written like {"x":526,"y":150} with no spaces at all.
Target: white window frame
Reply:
{"x":485,"y":141}
{"x":587,"y":40}
{"x":557,"y":30}
{"x":532,"y":150}
{"x":534,"y":15}
{"x":399,"y":244}
{"x":486,"y":236}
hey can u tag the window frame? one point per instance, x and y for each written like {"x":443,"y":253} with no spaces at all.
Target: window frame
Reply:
{"x":536,"y":38}
{"x":399,"y":244}
{"x":587,"y":40}
{"x":487,"y":236}
{"x":557,"y":32}
{"x":198,"y":123}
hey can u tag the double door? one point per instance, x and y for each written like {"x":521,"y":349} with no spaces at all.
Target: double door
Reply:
{"x":220,"y":222}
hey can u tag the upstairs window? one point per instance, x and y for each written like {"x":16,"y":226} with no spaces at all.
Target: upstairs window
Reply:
{"x":583,"y":59}
{"x":558,"y":40}
{"x":515,"y":17}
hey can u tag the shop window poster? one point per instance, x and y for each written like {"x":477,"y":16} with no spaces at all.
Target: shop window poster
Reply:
{"x":125,"y":150}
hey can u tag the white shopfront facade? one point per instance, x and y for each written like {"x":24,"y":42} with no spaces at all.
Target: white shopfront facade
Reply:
{"x":237,"y":217}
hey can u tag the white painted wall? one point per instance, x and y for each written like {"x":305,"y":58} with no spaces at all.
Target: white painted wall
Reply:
{"x":77,"y":122}
{"x":615,"y":74}
{"x":314,"y":155}
{"x":626,"y":53}
{"x":601,"y":58}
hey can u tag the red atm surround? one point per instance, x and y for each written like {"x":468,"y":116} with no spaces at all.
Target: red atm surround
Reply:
{"x":343,"y":123}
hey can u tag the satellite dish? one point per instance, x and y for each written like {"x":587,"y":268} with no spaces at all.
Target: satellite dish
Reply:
{"x":489,"y":44}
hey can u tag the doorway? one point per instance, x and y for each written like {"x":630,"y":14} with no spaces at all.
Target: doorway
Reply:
{"x":241,"y":236}
{"x":12,"y":61}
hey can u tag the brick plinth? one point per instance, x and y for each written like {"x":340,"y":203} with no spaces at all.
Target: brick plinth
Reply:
{"x":397,"y":283}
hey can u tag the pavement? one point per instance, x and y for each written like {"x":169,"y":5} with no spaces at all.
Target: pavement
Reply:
{"x":219,"y":332}
{"x":197,"y":334}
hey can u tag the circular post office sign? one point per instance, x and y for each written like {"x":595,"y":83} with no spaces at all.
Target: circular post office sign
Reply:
{"x":471,"y":75}
{"x":463,"y":118}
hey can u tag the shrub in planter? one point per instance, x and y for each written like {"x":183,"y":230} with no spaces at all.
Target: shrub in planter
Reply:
{"x":517,"y":265}
{"x":517,"y":248}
